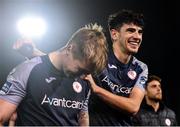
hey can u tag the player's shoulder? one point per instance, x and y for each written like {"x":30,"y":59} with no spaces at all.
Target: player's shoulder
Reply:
{"x":139,"y":63}
{"x":28,"y":64}
{"x":32,"y":61}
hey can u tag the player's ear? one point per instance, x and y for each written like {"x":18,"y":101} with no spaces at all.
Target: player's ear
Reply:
{"x":114,"y":34}
{"x":69,"y":49}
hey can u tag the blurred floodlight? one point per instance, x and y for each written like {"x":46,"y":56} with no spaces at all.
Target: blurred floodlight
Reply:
{"x":31,"y":26}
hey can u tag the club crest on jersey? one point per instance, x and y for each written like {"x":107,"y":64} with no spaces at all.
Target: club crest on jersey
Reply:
{"x":168,"y":122}
{"x":77,"y":87}
{"x":132,"y":74}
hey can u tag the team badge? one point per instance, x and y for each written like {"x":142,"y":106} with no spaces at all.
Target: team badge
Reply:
{"x":77,"y":87}
{"x":168,"y":122}
{"x":132,"y":74}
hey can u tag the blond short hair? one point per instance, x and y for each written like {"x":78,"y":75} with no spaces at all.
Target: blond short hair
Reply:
{"x":91,"y":45}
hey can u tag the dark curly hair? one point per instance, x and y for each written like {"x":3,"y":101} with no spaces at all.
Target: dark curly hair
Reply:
{"x":116,"y":20}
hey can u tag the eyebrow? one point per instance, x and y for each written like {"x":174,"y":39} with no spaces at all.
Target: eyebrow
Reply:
{"x":156,"y":85}
{"x":134,"y":29}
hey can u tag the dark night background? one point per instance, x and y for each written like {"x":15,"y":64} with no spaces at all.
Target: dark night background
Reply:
{"x":159,"y":49}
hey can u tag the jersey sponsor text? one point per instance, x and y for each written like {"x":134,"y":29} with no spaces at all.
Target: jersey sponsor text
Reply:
{"x":62,"y":102}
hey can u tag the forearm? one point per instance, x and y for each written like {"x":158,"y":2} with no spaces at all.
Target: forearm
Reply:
{"x":37,"y":52}
{"x":83,"y":119}
{"x":129,"y":104}
{"x":6,"y":111}
{"x":125,"y":104}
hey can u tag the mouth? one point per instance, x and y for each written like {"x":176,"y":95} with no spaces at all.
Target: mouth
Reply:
{"x":134,"y":43}
{"x":158,"y":94}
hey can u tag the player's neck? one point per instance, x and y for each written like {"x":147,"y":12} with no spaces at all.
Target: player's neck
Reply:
{"x":121,"y":56}
{"x":154,"y":104}
{"x":56,"y":59}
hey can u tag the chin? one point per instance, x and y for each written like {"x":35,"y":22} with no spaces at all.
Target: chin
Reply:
{"x":132,"y":52}
{"x":158,"y":98}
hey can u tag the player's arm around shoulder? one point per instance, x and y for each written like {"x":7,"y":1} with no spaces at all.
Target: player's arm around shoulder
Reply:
{"x":129,"y":105}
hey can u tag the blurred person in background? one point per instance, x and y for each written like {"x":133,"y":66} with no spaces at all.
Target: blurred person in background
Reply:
{"x":153,"y":111}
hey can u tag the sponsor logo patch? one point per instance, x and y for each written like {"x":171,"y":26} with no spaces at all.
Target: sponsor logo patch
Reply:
{"x":143,"y":80}
{"x":62,"y":102}
{"x":50,"y":79}
{"x":117,"y":88}
{"x":5,"y":88}
{"x":112,"y":66}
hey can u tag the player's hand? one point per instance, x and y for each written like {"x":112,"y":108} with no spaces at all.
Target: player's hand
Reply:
{"x":89,"y":78}
{"x":23,"y":41}
{"x":24,"y":46}
{"x":27,"y":48}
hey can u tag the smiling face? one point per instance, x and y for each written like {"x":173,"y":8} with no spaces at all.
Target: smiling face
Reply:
{"x":128,"y":38}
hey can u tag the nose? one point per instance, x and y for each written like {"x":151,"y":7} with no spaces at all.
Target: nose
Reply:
{"x":137,"y":35}
{"x":159,"y":88}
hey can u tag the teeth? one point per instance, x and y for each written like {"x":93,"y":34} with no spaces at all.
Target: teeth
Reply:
{"x":134,"y":43}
